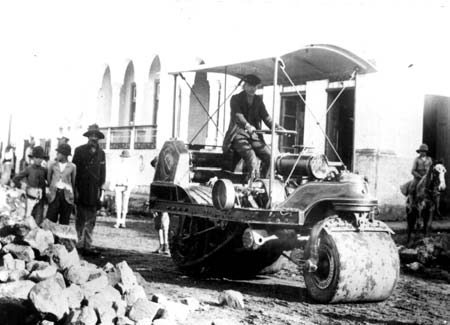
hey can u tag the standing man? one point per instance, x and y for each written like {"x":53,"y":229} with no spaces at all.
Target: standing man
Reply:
{"x":247,"y":112}
{"x":91,"y":172}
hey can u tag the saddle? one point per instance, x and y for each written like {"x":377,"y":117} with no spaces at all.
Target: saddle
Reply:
{"x":408,"y":188}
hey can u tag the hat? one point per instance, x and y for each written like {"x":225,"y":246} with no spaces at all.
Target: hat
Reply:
{"x":251,"y":79}
{"x":63,"y":139}
{"x":125,"y":154}
{"x":94,"y":129}
{"x":64,"y":149}
{"x":423,"y":147}
{"x":38,"y":152}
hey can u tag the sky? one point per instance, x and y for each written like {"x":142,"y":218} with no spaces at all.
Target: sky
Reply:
{"x":49,"y":47}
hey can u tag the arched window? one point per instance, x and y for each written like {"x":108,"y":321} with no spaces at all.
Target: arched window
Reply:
{"x":127,"y":107}
{"x":104,"y":99}
{"x":154,"y":80}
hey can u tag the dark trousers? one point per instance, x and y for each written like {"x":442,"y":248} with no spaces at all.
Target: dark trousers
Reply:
{"x":85,"y":223}
{"x":248,"y":149}
{"x":38,"y":212}
{"x":59,"y":207}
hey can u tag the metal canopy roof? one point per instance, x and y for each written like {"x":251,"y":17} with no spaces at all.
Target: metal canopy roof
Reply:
{"x":312,"y":62}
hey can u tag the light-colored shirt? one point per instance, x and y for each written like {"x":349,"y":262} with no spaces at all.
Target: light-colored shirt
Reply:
{"x":63,"y":179}
{"x":421,"y":166}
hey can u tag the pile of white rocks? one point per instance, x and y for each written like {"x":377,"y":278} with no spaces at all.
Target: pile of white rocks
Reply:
{"x":44,"y":281}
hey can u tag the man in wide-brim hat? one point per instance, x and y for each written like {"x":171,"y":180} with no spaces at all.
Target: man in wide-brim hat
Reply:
{"x":247,"y":114}
{"x":94,"y":130}
{"x":91,"y":173}
{"x":421,"y":165}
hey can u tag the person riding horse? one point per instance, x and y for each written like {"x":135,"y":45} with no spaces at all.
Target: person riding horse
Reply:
{"x":423,"y":192}
{"x":421,"y":165}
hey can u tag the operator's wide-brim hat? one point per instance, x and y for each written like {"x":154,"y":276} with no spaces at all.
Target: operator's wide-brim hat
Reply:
{"x":125,"y":154}
{"x":94,"y":130}
{"x":64,"y":149}
{"x":38,"y":152}
{"x":423,"y":148}
{"x":252,"y":79}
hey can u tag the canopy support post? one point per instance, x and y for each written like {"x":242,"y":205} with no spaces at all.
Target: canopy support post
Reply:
{"x":272,"y":136}
{"x":174,"y":118}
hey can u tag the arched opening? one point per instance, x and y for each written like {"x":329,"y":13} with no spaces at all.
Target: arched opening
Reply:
{"x":199,"y":109}
{"x":154,"y":82}
{"x":127,"y":108}
{"x":104,"y":99}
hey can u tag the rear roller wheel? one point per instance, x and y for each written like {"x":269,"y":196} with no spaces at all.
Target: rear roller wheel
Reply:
{"x":200,"y":248}
{"x":353,"y":266}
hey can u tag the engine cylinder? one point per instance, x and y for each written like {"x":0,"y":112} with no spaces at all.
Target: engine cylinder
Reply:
{"x":305,"y":166}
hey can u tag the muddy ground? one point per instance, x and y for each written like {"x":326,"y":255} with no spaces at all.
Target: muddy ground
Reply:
{"x":420,"y":298}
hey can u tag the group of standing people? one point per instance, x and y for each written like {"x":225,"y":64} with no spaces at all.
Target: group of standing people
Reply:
{"x":67,"y":186}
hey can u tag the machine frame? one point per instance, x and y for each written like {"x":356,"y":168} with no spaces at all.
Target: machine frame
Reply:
{"x":222,"y":223}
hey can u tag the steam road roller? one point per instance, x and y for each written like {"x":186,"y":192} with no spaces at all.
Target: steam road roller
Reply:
{"x":224,"y":223}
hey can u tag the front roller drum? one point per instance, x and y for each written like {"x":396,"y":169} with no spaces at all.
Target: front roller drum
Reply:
{"x":353,"y":267}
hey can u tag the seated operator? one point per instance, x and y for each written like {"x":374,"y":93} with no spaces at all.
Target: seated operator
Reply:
{"x":247,"y":111}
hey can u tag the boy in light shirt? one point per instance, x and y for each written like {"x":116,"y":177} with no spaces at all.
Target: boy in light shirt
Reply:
{"x":34,"y":177}
{"x":61,"y":177}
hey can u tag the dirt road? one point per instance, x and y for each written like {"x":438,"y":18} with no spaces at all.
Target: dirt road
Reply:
{"x":279,"y":299}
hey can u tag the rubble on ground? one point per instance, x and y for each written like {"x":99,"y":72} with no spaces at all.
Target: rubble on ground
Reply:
{"x":428,"y":253}
{"x":44,"y":281}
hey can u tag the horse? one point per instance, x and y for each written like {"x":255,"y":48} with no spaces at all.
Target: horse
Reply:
{"x":424,"y":203}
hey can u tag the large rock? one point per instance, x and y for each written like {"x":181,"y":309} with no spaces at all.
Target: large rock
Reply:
{"x":231,"y":298}
{"x":19,"y":265}
{"x":78,"y":274}
{"x":22,"y":252}
{"x":93,"y":286}
{"x":60,"y":231}
{"x":39,"y":239}
{"x":60,"y":257}
{"x":136,"y":292}
{"x":8,"y":262}
{"x":60,"y":280}
{"x":127,"y":277}
{"x":143,"y":309}
{"x":49,"y":298}
{"x":4,"y":274}
{"x":17,"y":289}
{"x":87,"y":316}
{"x":36,"y":265}
{"x":74,"y":296}
{"x":17,"y":275}
{"x":43,"y":274}
{"x":102,"y":303}
{"x":175,"y":310}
